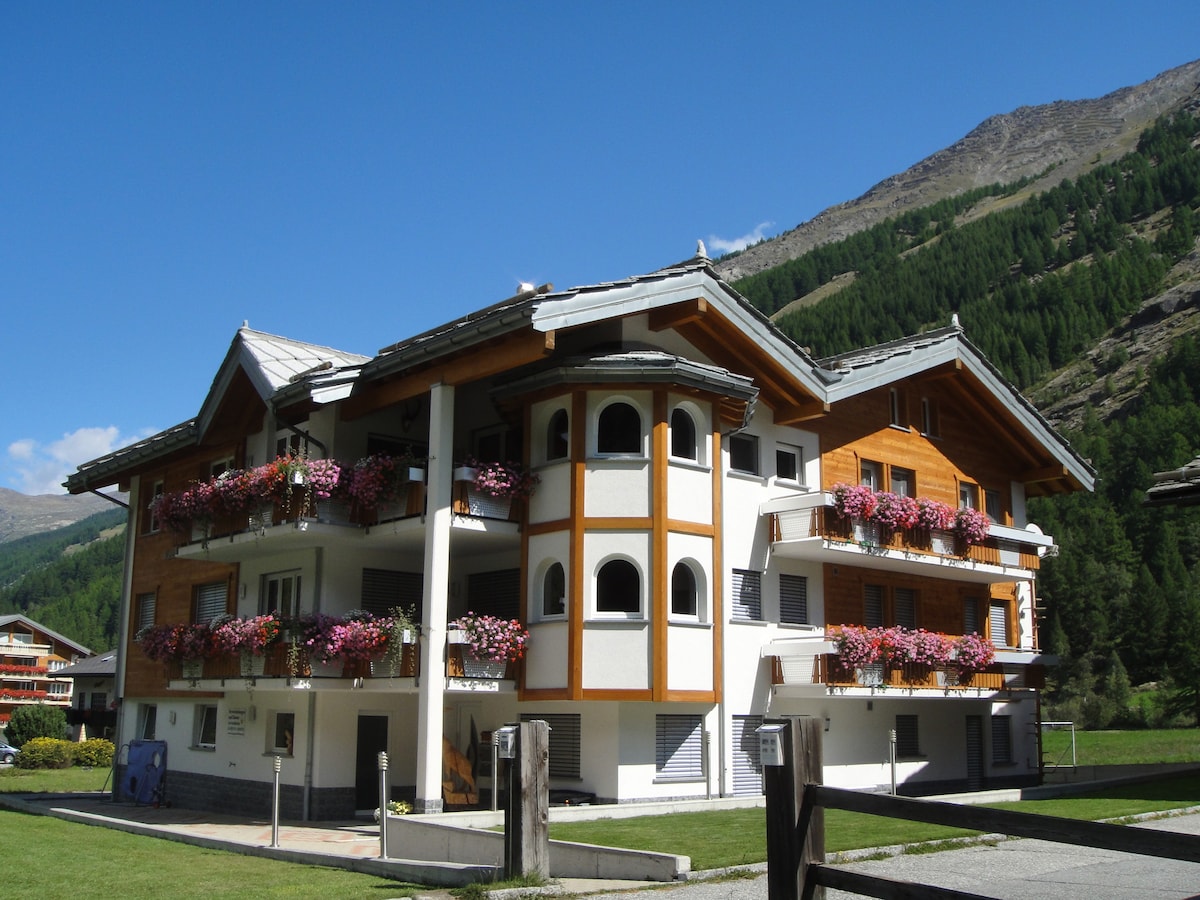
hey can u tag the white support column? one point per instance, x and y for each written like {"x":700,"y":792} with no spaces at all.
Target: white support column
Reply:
{"x":434,"y":600}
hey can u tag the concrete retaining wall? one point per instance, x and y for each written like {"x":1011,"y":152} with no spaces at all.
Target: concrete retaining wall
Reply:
{"x":423,"y":838}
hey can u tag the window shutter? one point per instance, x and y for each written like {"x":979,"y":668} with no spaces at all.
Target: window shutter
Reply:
{"x":747,"y":764}
{"x":873,"y":606}
{"x":385,"y":589}
{"x":793,"y":599}
{"x":680,"y":748}
{"x":906,"y":607}
{"x":747,"y":595}
{"x":998,"y":621}
{"x":146,"y":609}
{"x":1001,"y":739}
{"x":495,"y":593}
{"x":211,"y":601}
{"x":564,"y":742}
{"x":908,"y":742}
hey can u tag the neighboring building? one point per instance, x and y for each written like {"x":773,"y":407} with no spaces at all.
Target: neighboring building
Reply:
{"x":1176,"y":487}
{"x":93,"y":712}
{"x":31,"y":656}
{"x":676,"y":566}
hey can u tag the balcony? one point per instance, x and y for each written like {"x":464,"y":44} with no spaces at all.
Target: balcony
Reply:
{"x":806,"y":526}
{"x":809,"y":667}
{"x":391,"y":527}
{"x":274,"y":671}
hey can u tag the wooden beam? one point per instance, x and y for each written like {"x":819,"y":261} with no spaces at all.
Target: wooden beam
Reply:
{"x":482,"y":361}
{"x":1046,"y":473}
{"x":677,"y":314}
{"x":793,"y":415}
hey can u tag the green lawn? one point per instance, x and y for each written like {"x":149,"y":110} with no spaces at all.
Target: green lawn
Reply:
{"x":738,"y":837}
{"x":1111,"y":748}
{"x":40,"y":781}
{"x":134,"y":866}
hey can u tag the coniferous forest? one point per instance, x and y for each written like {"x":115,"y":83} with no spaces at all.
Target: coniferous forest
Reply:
{"x":1035,"y":285}
{"x":1036,"y":281}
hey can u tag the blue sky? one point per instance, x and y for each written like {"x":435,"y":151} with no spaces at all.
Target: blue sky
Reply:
{"x":353,"y":173}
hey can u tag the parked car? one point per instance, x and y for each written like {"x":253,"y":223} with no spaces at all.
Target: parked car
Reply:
{"x":8,"y":753}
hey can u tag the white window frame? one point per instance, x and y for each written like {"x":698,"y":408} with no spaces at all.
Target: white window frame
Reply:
{"x":797,"y":456}
{"x":752,"y":447}
{"x":202,"y":715}
{"x":281,"y":719}
{"x":546,"y":601}
{"x":745,"y":596}
{"x":147,"y":721}
{"x":205,"y":601}
{"x":640,"y":612}
{"x":676,"y":434}
{"x":147,"y":610}
{"x":288,"y":579}
{"x":640,"y":450}
{"x":697,"y":606}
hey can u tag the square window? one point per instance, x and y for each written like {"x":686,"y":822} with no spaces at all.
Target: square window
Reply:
{"x":151,"y":523}
{"x":281,"y":594}
{"x":908,"y":742}
{"x":147,"y":718}
{"x":870,"y":474}
{"x":282,"y":734}
{"x":746,"y":602}
{"x":204,"y":726}
{"x":929,"y":417}
{"x":679,"y":748}
{"x":904,"y":482}
{"x":146,"y":606}
{"x":787,"y":463}
{"x":1002,"y":739}
{"x":968,"y":495}
{"x":793,"y":599}
{"x":743,"y":453}
{"x":991,"y":505}
{"x":210,"y":601}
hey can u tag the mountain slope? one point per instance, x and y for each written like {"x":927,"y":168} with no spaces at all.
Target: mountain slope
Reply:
{"x":23,"y":514}
{"x":1066,"y":137}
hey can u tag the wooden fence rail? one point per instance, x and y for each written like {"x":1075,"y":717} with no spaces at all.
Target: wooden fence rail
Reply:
{"x":796,"y":801}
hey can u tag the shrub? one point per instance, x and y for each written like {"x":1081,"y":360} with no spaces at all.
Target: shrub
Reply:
{"x":35,"y":721}
{"x":95,"y":752}
{"x":45,"y":753}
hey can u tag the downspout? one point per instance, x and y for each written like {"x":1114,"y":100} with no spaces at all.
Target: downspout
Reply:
{"x":123,"y":627}
{"x":308,"y":755}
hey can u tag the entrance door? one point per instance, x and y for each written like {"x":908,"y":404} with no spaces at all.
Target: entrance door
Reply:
{"x":372,"y":740}
{"x":974,"y":753}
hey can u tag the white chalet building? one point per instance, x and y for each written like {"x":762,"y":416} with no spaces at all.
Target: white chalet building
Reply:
{"x":676,"y":567}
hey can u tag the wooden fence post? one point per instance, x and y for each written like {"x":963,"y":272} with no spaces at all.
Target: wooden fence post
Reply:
{"x":527,"y":806}
{"x":795,"y":825}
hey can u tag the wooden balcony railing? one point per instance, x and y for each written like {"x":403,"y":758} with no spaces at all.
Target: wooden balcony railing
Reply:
{"x":824,"y":522}
{"x":826,"y":669}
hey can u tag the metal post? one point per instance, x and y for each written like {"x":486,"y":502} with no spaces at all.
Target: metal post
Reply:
{"x":383,"y":804}
{"x":892,"y":757}
{"x":277,"y":765}
{"x":495,"y":774}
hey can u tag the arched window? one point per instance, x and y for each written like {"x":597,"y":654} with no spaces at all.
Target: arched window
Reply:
{"x":618,"y":588}
{"x":557,"y":437}
{"x":554,"y":591}
{"x":683,"y":590}
{"x":619,"y":429}
{"x":683,"y":434}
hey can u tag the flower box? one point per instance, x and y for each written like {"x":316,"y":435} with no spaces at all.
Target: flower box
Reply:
{"x":484,"y":668}
{"x":252,"y":665}
{"x":262,"y":519}
{"x":465,"y":473}
{"x":333,"y":512}
{"x":192,"y":669}
{"x":869,"y":675}
{"x":484,"y":505}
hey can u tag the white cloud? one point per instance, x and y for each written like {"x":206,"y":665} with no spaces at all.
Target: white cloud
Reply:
{"x":42,"y":468}
{"x":722,"y":246}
